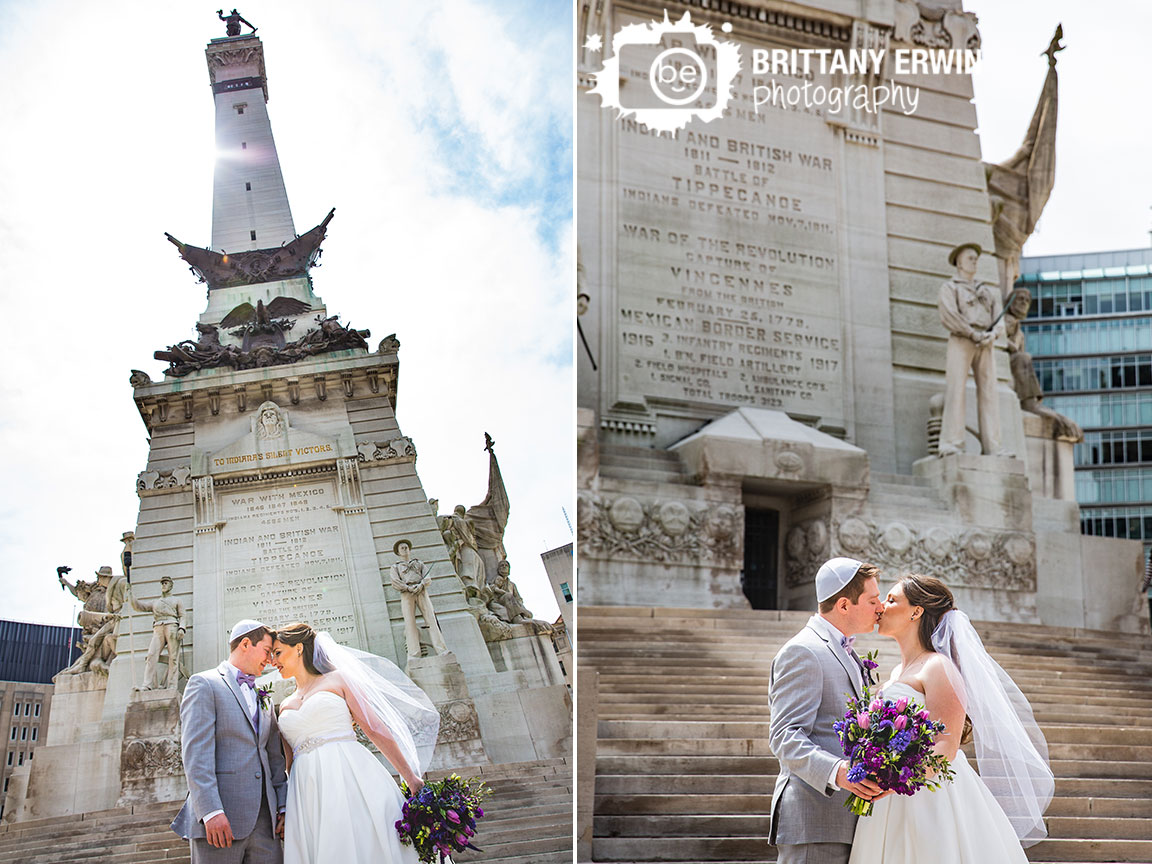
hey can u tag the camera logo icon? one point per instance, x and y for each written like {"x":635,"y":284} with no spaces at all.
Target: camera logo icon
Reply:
{"x":673,"y":73}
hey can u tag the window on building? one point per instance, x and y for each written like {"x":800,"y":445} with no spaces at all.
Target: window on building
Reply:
{"x":252,"y":234}
{"x":35,"y":729}
{"x":240,"y":108}
{"x":247,"y":187}
{"x":37,"y":710}
{"x":20,"y":761}
{"x":10,"y":755}
{"x":564,"y":590}
{"x":243,"y":145}
{"x":13,"y":738}
{"x":24,"y":734}
{"x":27,"y":709}
{"x":15,"y":709}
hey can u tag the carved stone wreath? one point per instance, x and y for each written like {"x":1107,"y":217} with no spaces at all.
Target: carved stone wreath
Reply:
{"x":143,"y":758}
{"x":458,"y":721}
{"x":665,"y":531}
{"x":972,"y":557}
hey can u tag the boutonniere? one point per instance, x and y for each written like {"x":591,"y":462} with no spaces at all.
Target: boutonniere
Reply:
{"x":264,"y":696}
{"x":868,"y":661}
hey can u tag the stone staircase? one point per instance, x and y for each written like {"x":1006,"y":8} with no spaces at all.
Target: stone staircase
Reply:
{"x":897,"y":495}
{"x":529,"y":822}
{"x":641,"y":463}
{"x":684,"y":771}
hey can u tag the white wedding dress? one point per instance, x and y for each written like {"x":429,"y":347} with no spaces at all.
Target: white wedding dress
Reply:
{"x":342,"y":802}
{"x":959,"y":823}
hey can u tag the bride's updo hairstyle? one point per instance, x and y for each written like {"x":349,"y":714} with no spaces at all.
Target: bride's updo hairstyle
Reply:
{"x":300,"y":634}
{"x":933,"y":597}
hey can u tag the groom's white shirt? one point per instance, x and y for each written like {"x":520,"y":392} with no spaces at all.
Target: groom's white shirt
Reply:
{"x":821,"y":624}
{"x":248,"y":694}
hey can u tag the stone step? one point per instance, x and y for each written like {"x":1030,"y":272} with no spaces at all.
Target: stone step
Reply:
{"x":684,"y":825}
{"x":719,"y":765}
{"x":1118,"y":807}
{"x":694,"y":803}
{"x":900,"y":480}
{"x":1062,"y":850}
{"x":1113,"y":828}
{"x":696,"y":849}
{"x":703,"y":785}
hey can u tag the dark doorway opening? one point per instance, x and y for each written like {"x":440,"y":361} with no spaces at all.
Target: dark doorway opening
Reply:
{"x":761,"y":554}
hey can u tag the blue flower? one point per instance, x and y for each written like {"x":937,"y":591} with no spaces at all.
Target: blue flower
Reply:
{"x":900,"y":741}
{"x":857,"y":773}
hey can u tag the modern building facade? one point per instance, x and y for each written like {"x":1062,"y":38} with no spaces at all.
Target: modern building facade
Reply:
{"x":30,"y":654}
{"x":1090,"y":335}
{"x":558,"y":566}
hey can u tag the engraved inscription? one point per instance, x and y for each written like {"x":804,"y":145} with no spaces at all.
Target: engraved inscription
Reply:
{"x":283,"y":558}
{"x":728,"y":265}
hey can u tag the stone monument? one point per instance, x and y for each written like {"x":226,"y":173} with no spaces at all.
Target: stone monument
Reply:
{"x":764,"y":350}
{"x":277,"y":485}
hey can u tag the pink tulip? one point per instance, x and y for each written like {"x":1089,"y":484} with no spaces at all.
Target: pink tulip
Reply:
{"x":901,"y":703}
{"x":900,"y":722}
{"x":876,"y":705}
{"x":923,"y":715}
{"x":863,"y":720}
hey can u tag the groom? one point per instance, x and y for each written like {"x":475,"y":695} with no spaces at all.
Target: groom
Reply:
{"x":808,"y":688}
{"x":232,"y":758}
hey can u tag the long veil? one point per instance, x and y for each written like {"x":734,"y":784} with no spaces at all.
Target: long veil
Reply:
{"x":1010,"y":748}
{"x":401,"y":707}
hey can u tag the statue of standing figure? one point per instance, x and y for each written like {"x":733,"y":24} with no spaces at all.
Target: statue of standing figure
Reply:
{"x":971,"y":312}
{"x":409,"y":577}
{"x":461,"y":540}
{"x":99,"y":623}
{"x":167,"y":632}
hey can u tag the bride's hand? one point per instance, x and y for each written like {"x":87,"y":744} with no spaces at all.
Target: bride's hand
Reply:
{"x":415,"y":785}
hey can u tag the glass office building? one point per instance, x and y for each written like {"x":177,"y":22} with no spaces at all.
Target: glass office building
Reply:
{"x":1090,"y":335}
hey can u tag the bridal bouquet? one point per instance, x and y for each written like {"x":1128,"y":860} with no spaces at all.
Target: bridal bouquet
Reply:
{"x":441,"y":818}
{"x":890,"y":742}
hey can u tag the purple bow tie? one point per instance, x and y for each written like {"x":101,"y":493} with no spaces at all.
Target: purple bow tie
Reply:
{"x":846,"y":642}
{"x":246,"y":679}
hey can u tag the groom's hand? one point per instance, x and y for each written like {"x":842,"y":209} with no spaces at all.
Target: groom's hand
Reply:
{"x":865,"y":789}
{"x":280,"y":824}
{"x":219,"y":831}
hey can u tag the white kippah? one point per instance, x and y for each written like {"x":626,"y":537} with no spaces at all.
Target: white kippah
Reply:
{"x":245,"y":626}
{"x":833,"y":575}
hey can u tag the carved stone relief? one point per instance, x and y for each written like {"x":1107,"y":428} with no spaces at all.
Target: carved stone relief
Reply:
{"x":806,"y":548}
{"x":667,"y":531}
{"x":458,"y":721}
{"x":173,"y":479}
{"x":966,"y":557}
{"x":393,"y":450}
{"x":921,"y":24}
{"x":143,"y":758}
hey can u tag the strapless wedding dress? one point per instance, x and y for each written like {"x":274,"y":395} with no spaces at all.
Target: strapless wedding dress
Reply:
{"x":342,"y":802}
{"x":959,"y":823}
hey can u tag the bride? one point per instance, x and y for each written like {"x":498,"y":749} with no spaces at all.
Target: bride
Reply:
{"x":972,"y":819}
{"x":342,"y":803}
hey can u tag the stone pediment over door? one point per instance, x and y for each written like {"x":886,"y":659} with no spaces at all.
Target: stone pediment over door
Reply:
{"x":273,"y":442}
{"x":770,"y":445}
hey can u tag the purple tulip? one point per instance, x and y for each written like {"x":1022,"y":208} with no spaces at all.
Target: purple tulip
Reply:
{"x":900,"y":723}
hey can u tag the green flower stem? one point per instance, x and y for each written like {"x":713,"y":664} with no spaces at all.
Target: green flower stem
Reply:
{"x":859,"y":806}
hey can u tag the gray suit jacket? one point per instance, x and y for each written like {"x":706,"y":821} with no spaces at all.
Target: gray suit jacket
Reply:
{"x":226,"y":762}
{"x":809,"y":686}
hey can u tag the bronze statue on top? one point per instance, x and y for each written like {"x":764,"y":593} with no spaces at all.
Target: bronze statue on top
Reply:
{"x":232,"y":22}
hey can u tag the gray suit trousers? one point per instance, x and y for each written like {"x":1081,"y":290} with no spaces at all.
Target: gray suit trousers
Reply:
{"x":814,"y":853}
{"x":259,"y":847}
